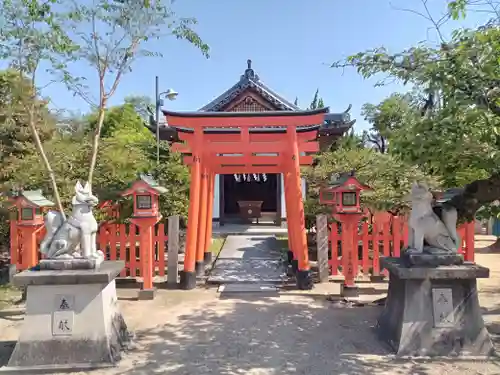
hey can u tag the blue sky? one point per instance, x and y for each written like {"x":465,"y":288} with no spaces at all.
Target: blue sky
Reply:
{"x":291,"y":44}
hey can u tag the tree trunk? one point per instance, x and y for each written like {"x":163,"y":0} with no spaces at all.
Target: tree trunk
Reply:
{"x":95,"y":143}
{"x":475,"y":195}
{"x":496,"y":245}
{"x":41,"y":152}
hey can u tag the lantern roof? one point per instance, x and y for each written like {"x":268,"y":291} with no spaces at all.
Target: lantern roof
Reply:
{"x":151,"y":182}
{"x":35,"y":197}
{"x":145,"y":182}
{"x":346,"y":178}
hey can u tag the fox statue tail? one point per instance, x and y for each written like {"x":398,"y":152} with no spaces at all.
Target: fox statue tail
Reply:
{"x":449,"y":217}
{"x":53,"y":221}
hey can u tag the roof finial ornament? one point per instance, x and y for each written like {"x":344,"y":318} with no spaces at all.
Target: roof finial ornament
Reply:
{"x":249,"y":73}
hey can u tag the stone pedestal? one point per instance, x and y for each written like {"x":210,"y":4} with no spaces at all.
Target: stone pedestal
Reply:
{"x":434,"y":311}
{"x":72,"y":321}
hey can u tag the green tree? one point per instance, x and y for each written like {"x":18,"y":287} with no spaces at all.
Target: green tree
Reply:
{"x":388,"y":176}
{"x":457,"y":134}
{"x":127,"y":150}
{"x":16,"y":139}
{"x":31,"y":36}
{"x":385,"y":118}
{"x":317,"y":101}
{"x":142,"y":105}
{"x":123,"y":117}
{"x":120,"y":30}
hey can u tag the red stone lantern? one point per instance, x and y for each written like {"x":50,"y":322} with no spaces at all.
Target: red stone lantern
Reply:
{"x":145,"y":192}
{"x":343,"y":194}
{"x":29,"y":206}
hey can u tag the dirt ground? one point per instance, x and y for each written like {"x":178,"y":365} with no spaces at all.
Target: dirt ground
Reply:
{"x":198,"y":332}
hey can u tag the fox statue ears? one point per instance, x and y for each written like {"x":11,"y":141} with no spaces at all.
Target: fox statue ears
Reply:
{"x":82,"y":189}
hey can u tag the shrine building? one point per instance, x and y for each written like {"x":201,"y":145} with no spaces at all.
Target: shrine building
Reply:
{"x":261,"y":194}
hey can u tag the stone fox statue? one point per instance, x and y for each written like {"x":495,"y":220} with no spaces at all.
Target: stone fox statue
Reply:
{"x":75,"y":237}
{"x":426,"y":228}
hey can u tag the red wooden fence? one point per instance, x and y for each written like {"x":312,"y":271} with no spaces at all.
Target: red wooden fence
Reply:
{"x":121,"y":242}
{"x":116,"y":241}
{"x":386,"y":237}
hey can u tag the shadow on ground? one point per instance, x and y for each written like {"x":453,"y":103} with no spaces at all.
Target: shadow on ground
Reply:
{"x":270,"y":336}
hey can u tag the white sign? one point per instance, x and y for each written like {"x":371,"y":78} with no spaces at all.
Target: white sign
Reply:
{"x":64,"y":302}
{"x":62,"y":323}
{"x":63,"y":315}
{"x":442,"y":305}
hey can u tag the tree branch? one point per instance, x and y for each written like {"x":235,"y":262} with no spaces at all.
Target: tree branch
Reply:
{"x":476,"y":195}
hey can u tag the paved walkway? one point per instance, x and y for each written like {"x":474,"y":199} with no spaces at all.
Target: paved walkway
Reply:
{"x":249,"y":259}
{"x":248,"y":229}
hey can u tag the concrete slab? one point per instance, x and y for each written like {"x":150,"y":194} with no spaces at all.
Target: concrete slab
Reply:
{"x":247,"y":288}
{"x":245,"y":229}
{"x":249,"y":259}
{"x":247,"y":271}
{"x":250,"y":247}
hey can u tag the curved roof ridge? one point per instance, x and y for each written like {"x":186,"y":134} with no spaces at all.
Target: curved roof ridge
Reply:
{"x":249,"y":80}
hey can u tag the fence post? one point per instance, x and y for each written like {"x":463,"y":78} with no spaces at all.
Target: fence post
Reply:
{"x":322,"y":247}
{"x":14,"y":244}
{"x":469,"y":241}
{"x":173,"y":250}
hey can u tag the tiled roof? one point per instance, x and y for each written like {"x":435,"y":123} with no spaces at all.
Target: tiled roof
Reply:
{"x":36,"y":197}
{"x":249,"y":80}
{"x":335,"y":123}
{"x":148,"y":179}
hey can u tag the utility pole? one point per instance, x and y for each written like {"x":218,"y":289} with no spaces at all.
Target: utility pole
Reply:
{"x":171,"y":95}
{"x":157,"y":118}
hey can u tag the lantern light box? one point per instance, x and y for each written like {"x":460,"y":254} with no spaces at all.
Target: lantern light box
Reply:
{"x":29,"y":207}
{"x":343,"y":193}
{"x":145,"y":192}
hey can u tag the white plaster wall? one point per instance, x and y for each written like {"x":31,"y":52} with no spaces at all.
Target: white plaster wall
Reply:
{"x":216,"y":206}
{"x":283,"y":203}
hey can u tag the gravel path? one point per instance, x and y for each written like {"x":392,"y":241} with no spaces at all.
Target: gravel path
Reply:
{"x":290,"y":334}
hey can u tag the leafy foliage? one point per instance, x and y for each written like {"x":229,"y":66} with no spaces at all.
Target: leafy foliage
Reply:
{"x":119,"y":34}
{"x":32,"y":35}
{"x":127,"y":151}
{"x":385,"y":118}
{"x":455,"y":131}
{"x":15,"y":135}
{"x":388,"y":176}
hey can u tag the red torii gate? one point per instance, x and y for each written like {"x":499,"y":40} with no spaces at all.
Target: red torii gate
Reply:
{"x":244,"y":142}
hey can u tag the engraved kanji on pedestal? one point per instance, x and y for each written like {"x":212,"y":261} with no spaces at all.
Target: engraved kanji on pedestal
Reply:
{"x":63,"y":315}
{"x":442,"y":304}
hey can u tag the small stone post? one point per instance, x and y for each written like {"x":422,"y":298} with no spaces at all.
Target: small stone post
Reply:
{"x":322,"y":247}
{"x":173,"y":250}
